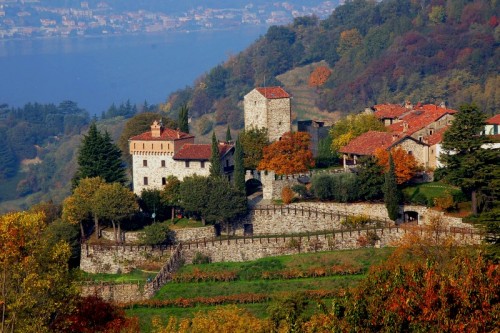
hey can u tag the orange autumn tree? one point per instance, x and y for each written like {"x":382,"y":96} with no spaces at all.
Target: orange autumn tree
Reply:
{"x":404,"y":163}
{"x":319,"y":76}
{"x":289,"y":155}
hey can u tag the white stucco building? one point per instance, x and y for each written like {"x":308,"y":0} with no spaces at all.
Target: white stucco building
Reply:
{"x":163,"y":152}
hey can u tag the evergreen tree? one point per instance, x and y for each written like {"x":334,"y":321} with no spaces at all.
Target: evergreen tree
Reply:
{"x":239,"y":168}
{"x":467,"y":164}
{"x":215,"y":165}
{"x":224,"y":202}
{"x":99,"y":157}
{"x":184,"y":118}
{"x":391,"y":192}
{"x":8,"y":161}
{"x":370,"y":179}
{"x":193,"y":195}
{"x":229,"y":138}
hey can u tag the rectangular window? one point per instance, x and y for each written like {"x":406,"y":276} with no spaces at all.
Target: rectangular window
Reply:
{"x":186,"y":163}
{"x":202,"y":164}
{"x":134,"y":145}
{"x":145,"y":180}
{"x":164,"y":181}
{"x":144,"y":163}
{"x":162,"y":163}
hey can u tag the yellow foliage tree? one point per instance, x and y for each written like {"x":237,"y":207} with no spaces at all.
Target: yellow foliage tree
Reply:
{"x":228,"y":319}
{"x":35,"y":281}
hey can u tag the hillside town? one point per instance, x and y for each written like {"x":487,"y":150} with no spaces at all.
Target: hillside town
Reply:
{"x":380,"y":216}
{"x":39,"y":18}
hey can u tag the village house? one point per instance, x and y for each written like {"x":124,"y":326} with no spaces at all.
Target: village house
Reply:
{"x":418,"y":130}
{"x":163,"y":152}
{"x":367,"y":143}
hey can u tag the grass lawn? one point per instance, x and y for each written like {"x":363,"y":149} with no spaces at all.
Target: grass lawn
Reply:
{"x":360,"y":258}
{"x":429,"y":190}
{"x":211,"y":289}
{"x":135,"y":276}
{"x":180,"y":223}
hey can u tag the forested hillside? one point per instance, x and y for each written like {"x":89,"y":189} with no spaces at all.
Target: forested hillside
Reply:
{"x":391,"y":51}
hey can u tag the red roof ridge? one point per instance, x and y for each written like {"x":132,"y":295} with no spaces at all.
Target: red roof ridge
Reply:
{"x":495,"y":120}
{"x":166,"y":134}
{"x":273,"y":92}
{"x":200,"y":151}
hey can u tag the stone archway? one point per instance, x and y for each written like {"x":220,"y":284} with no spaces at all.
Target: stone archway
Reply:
{"x":411,"y":216}
{"x":252,"y":186}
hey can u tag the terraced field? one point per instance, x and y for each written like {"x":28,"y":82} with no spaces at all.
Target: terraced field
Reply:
{"x":255,"y":284}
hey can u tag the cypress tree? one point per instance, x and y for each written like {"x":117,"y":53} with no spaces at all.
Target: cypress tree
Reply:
{"x":239,"y":168}
{"x":391,"y":192}
{"x":215,"y":165}
{"x":229,"y":138}
{"x":183,"y":118}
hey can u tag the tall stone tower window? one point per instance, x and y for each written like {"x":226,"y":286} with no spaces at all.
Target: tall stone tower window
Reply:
{"x":145,"y":180}
{"x":144,"y":163}
{"x":162,"y":163}
{"x":163,"y":181}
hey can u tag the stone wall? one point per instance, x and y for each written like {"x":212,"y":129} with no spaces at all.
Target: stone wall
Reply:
{"x":379,"y":211}
{"x":237,"y":250}
{"x":120,"y":258}
{"x":119,"y":293}
{"x":273,"y":185}
{"x":190,"y":234}
{"x":129,"y":237}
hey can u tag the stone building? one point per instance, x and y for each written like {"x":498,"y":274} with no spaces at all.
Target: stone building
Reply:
{"x":316,"y":129}
{"x":268,"y":107}
{"x":163,"y":152}
{"x":366,"y":144}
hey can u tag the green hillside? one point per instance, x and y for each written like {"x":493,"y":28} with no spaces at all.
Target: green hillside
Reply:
{"x":379,"y":52}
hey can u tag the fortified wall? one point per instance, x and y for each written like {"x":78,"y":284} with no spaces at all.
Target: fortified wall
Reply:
{"x":252,"y":248}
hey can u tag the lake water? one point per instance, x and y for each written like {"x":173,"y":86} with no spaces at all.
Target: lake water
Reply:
{"x":95,"y":72}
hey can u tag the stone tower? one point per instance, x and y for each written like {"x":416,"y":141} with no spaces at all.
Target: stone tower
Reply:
{"x":268,"y":107}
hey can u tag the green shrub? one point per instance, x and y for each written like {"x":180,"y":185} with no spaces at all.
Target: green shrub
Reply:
{"x":155,"y":234}
{"x":356,"y":221}
{"x":200,"y":258}
{"x":301,"y":190}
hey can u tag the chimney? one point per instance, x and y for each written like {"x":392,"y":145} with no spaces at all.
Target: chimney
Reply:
{"x":443,"y":105}
{"x":408,"y":105}
{"x":394,"y":137}
{"x":405,"y":126}
{"x":156,"y":129}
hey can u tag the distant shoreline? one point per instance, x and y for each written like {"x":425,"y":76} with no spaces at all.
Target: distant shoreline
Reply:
{"x":124,"y":34}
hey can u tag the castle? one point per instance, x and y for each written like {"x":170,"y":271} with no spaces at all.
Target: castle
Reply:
{"x":163,"y":152}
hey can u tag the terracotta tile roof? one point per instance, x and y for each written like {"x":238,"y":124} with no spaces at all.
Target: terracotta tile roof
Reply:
{"x":166,"y":134}
{"x":495,"y":120}
{"x":383,"y":111}
{"x":437,"y":137}
{"x":419,"y":118}
{"x":273,"y":92}
{"x":200,"y":152}
{"x":367,"y":143}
